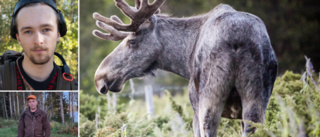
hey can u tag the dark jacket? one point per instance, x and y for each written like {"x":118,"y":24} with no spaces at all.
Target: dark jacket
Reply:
{"x":34,"y":126}
{"x":8,"y":78}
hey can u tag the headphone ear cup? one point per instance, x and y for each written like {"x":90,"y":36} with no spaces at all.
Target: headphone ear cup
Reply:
{"x":62,"y":25}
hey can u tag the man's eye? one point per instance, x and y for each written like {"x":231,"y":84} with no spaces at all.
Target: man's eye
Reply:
{"x":27,"y":32}
{"x":46,"y":30}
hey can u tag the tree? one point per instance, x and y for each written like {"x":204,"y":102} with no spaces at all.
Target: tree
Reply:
{"x":61,"y":107}
{"x":24,"y":100}
{"x":44,"y":100}
{"x":18,"y":107}
{"x":72,"y":106}
{"x":10,"y":105}
{"x":5,"y":105}
{"x":14,"y":105}
{"x":69,"y":110}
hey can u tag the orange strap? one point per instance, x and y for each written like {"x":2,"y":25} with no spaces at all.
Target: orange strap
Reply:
{"x":65,"y":78}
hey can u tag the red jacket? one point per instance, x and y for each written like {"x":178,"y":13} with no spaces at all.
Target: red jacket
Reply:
{"x":34,"y":126}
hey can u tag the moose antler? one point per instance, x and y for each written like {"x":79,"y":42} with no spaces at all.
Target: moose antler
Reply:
{"x":138,"y":14}
{"x":114,"y":35}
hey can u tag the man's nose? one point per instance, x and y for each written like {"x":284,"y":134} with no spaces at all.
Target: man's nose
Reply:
{"x":38,"y":38}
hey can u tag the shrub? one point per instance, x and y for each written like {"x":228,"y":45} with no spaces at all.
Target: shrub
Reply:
{"x":87,"y":127}
{"x":293,"y":110}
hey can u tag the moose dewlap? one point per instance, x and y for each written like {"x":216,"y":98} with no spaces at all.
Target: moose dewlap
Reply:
{"x":226,"y":55}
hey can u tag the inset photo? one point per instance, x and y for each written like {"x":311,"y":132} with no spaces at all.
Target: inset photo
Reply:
{"x":39,"y":45}
{"x":43,"y":114}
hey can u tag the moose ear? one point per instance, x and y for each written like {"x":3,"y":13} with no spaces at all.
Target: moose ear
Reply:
{"x":149,"y":23}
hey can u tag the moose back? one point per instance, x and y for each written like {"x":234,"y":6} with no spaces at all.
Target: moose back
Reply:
{"x":226,"y":55}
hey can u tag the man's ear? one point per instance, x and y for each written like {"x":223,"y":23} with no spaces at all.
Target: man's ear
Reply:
{"x":18,"y":38}
{"x":58,"y":38}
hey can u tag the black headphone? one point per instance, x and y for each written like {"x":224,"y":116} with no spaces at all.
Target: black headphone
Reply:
{"x":21,"y":3}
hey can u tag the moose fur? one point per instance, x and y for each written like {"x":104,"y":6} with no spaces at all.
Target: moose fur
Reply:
{"x":226,"y":55}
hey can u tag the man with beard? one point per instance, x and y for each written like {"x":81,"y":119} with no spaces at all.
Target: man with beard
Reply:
{"x":37,"y":25}
{"x":33,"y":121}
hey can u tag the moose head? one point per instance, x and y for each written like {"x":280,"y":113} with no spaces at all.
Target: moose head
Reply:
{"x":139,"y":50}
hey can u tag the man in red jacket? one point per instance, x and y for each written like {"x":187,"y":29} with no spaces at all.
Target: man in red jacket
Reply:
{"x":33,"y":121}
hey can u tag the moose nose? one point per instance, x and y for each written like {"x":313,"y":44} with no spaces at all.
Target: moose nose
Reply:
{"x":101,"y":85}
{"x":104,"y":89}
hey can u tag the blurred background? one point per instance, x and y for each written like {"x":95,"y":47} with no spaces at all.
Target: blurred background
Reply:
{"x":293,"y":27}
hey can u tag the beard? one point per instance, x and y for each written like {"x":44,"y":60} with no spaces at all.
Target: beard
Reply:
{"x":40,"y":60}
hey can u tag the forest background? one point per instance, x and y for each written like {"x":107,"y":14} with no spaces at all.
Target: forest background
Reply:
{"x":68,"y":45}
{"x":293,"y":27}
{"x":61,"y":109}
{"x":293,"y":110}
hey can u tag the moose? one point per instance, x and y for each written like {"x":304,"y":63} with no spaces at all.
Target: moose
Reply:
{"x":225,"y":54}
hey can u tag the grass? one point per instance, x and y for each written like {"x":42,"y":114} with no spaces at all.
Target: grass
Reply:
{"x":9,"y":128}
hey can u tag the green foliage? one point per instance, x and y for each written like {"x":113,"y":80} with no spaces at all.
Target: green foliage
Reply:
{"x":87,"y":127}
{"x":293,"y":110}
{"x":9,"y":128}
{"x":293,"y":31}
{"x":88,"y":101}
{"x":5,"y":123}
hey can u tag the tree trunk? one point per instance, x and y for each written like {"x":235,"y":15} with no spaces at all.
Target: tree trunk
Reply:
{"x":5,"y":105}
{"x":61,"y":107}
{"x":40,"y":103}
{"x":132,"y":89}
{"x":109,"y":100}
{"x":69,"y":110}
{"x":14,"y":106}
{"x":149,"y":101}
{"x":44,"y":101}
{"x":24,"y":101}
{"x":2,"y":107}
{"x":114,"y":96}
{"x":18,"y":106}
{"x":10,"y":105}
{"x":51,"y":105}
{"x":72,"y":112}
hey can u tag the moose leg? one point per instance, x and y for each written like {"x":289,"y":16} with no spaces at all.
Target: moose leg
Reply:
{"x":254,"y":98}
{"x":194,"y":100}
{"x":253,"y":111}
{"x":211,"y":105}
{"x":255,"y":87}
{"x":214,"y":91}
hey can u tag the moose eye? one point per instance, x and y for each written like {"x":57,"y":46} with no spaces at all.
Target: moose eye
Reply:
{"x":131,"y":41}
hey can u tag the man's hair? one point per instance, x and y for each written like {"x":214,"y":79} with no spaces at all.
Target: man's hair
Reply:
{"x":60,"y":20}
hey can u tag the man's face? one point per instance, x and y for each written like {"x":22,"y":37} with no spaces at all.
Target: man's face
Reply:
{"x":38,"y":32}
{"x":32,"y":103}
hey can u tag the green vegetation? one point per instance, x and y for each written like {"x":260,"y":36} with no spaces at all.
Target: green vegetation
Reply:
{"x":293,"y":110}
{"x":9,"y":128}
{"x":293,"y":27}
